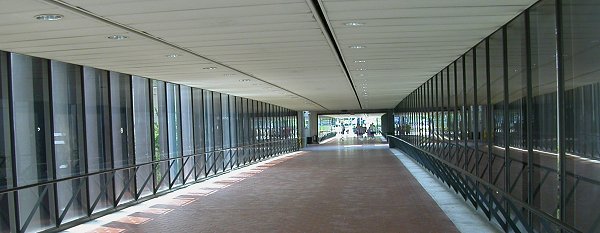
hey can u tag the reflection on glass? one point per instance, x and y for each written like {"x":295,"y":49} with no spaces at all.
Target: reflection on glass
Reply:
{"x":517,"y":107}
{"x":174,"y":132}
{"x":31,"y":114}
{"x":582,"y":109}
{"x":97,"y":127}
{"x":142,"y":133}
{"x":161,"y":144}
{"x":198,"y":109}
{"x":101,"y":133}
{"x":496,"y":47}
{"x":122,"y":134}
{"x":483,"y":136}
{"x":209,"y":131}
{"x":544,"y":128}
{"x":67,"y":115}
{"x":5,"y":144}
{"x":33,"y":136}
{"x":218,"y":130}
{"x":6,"y":170}
{"x":187,"y":131}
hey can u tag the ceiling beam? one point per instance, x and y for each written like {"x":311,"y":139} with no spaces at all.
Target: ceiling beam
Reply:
{"x":319,"y":14}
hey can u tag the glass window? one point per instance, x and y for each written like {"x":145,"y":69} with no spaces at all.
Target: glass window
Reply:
{"x":452,"y":112}
{"x":483,"y":134}
{"x":121,"y":116}
{"x":186,"y":121}
{"x":5,"y":139}
{"x":198,"y":110}
{"x":226,"y":120}
{"x":246,"y":120}
{"x":239,"y":121}
{"x":6,"y":180}
{"x":98,"y":144}
{"x":469,"y":113}
{"x":174,"y":132}
{"x":460,"y":112}
{"x":226,"y":131}
{"x":209,"y":131}
{"x":142,"y":128}
{"x":161,"y":141}
{"x":218,"y":130}
{"x":442,"y":103}
{"x":67,"y":115}
{"x":209,"y":121}
{"x":33,"y":137}
{"x":233,"y":114}
{"x":496,"y":48}
{"x":67,"y":112}
{"x":122,"y":134}
{"x":187,"y":130}
{"x":517,"y":106}
{"x":544,"y":128}
{"x":581,"y":40}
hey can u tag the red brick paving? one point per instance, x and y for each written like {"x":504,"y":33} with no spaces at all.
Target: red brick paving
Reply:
{"x":330,"y":188}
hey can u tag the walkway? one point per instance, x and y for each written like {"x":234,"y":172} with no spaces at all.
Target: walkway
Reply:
{"x":341,"y":186}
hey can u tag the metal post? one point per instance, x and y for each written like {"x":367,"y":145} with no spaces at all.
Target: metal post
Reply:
{"x":488,"y":116}
{"x":529,"y":116}
{"x":561,"y":117}
{"x":475,"y":113}
{"x":505,"y":120}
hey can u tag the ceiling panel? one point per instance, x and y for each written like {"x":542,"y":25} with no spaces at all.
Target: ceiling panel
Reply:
{"x":407,"y":42}
{"x":269,"y":50}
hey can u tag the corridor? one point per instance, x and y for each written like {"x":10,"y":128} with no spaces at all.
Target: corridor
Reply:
{"x":341,"y":186}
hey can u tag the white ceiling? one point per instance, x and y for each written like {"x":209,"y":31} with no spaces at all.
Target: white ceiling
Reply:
{"x":279,"y":45}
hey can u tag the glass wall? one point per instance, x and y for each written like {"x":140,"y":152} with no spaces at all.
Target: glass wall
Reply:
{"x":581,"y":100}
{"x":122,"y":135}
{"x":68,"y":118}
{"x":6,"y":180}
{"x":174,"y":133}
{"x":79,"y":142}
{"x":520,"y":110}
{"x":98,"y":142}
{"x":187,"y":132}
{"x":142,"y":133}
{"x":543,"y":127}
{"x":160,"y":136}
{"x":32,"y":126}
{"x":198,"y":114}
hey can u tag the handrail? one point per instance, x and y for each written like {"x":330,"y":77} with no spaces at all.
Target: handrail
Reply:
{"x":48,"y":182}
{"x":492,"y":187}
{"x":547,"y":168}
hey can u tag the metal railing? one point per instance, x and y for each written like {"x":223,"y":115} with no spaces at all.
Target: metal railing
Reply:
{"x":498,"y":205}
{"x":204,"y":165}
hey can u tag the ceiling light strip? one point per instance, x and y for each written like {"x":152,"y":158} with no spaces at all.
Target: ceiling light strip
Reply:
{"x":90,"y":14}
{"x":319,"y":15}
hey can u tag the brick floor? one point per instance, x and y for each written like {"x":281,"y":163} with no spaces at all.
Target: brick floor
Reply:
{"x":355,"y":185}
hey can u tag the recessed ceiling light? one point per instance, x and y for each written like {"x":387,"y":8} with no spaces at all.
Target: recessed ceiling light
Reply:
{"x":117,"y":37}
{"x":245,"y":80}
{"x":357,"y":46}
{"x":354,"y":24}
{"x":49,"y":17}
{"x":361,"y":69}
{"x":360,"y":61}
{"x":172,"y":55}
{"x":209,"y":68}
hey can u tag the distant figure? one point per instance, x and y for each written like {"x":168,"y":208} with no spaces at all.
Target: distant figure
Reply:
{"x":343,"y":129}
{"x":371,"y":131}
{"x":360,"y":130}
